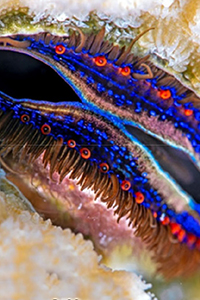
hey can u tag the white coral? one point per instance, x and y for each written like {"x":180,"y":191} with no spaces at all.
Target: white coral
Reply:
{"x":39,"y":261}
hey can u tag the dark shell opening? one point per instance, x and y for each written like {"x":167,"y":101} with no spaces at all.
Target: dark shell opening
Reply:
{"x":25,"y":77}
{"x":173,"y":161}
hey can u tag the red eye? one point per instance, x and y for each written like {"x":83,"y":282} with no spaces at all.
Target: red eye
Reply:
{"x":191,"y":239}
{"x":188,"y":112}
{"x":100,"y":61}
{"x":46,"y":129}
{"x":125,"y":185}
{"x":60,"y":49}
{"x":166,"y":220}
{"x":181,"y":235}
{"x":25,"y":118}
{"x":198,"y":244}
{"x":175,"y":227}
{"x":85,"y":153}
{"x":71,"y":144}
{"x":165,"y":94}
{"x":125,"y":71}
{"x":139,"y":197}
{"x":104,"y":168}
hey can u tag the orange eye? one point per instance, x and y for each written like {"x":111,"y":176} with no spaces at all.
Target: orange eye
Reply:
{"x":165,"y":94}
{"x":188,"y":112}
{"x":104,"y":168}
{"x":139,"y":197}
{"x":71,"y":144}
{"x":85,"y":153}
{"x":45,"y":129}
{"x":60,"y":49}
{"x":100,"y":61}
{"x":25,"y":118}
{"x":125,"y":71}
{"x":155,"y":214}
{"x":125,"y":185}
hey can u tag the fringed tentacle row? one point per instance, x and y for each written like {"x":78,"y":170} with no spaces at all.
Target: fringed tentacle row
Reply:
{"x":168,"y":252}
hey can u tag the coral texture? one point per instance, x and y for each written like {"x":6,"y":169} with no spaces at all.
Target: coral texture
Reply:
{"x":40,"y":261}
{"x":175,"y":37}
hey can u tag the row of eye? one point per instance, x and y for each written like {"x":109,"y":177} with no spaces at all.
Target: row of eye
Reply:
{"x":86,"y":154}
{"x":179,"y":232}
{"x":139,"y":197}
{"x":166,"y":94}
{"x":104,"y":168}
{"x":125,"y":185}
{"x":101,"y":61}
